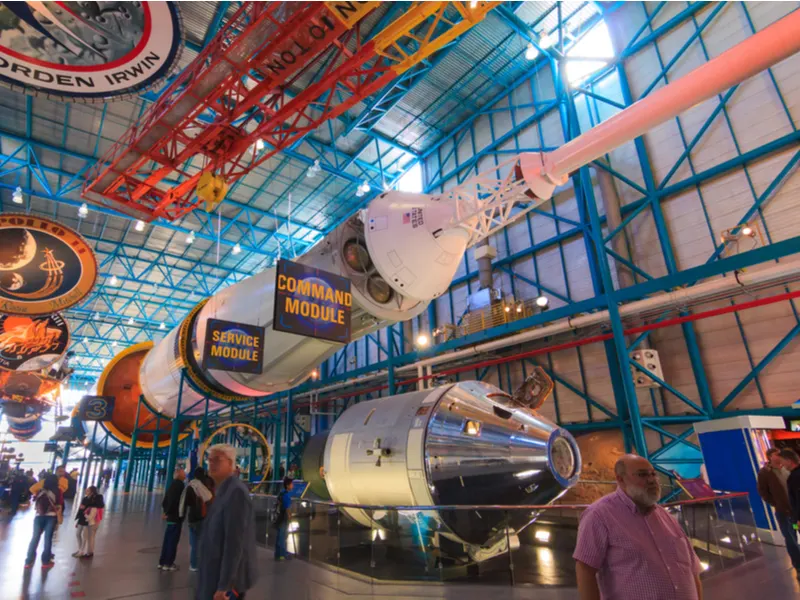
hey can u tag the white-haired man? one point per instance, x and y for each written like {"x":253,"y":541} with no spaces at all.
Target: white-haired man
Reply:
{"x":227,"y":565}
{"x":629,"y":548}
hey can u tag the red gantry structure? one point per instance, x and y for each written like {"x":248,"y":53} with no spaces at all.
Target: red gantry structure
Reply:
{"x":229,"y":110}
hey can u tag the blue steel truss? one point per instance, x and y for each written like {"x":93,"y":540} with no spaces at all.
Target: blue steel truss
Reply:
{"x":159,"y":278}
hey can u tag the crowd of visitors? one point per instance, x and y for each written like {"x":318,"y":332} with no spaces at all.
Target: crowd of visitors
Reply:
{"x":221,"y":523}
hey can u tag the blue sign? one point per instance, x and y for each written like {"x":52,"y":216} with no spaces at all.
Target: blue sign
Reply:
{"x":96,"y":408}
{"x":233,"y":346}
{"x":312,"y":303}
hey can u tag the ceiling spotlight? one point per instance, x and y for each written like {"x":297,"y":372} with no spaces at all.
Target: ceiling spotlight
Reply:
{"x":114,"y":280}
{"x":114,"y":344}
{"x":259,"y":145}
{"x":190,"y":238}
{"x":747,"y":230}
{"x":314,"y":374}
{"x":314,"y":169}
{"x":422,"y":340}
{"x":162,"y":326}
{"x":531,"y":52}
{"x":131,"y":321}
{"x":364,"y":188}
{"x":236,"y":249}
{"x":96,"y":316}
{"x":16,"y":197}
{"x":519,"y":308}
{"x":508,"y":309}
{"x":545,"y":41}
{"x":542,"y":301}
{"x":83,"y":211}
{"x":139,"y":225}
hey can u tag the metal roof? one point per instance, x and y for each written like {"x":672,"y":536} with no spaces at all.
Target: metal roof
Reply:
{"x":47,"y":146}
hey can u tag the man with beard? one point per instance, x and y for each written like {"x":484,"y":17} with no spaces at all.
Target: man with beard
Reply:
{"x":629,"y":548}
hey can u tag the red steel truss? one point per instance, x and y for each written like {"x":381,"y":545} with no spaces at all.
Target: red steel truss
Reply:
{"x":239,"y":83}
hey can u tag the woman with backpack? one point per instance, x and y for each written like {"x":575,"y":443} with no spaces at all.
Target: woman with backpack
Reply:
{"x":193,"y":505}
{"x":90,"y":513}
{"x":49,"y":506}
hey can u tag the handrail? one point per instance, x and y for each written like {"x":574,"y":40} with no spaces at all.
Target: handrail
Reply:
{"x":496,"y":506}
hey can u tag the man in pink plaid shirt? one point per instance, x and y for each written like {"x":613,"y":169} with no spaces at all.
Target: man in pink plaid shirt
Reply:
{"x":629,"y":548}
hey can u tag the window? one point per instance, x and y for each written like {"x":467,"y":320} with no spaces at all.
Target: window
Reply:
{"x":596,"y":44}
{"x":411,"y":181}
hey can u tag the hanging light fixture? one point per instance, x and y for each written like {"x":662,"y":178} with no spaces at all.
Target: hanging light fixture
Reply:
{"x":131,"y":321}
{"x":259,"y":145}
{"x":236,"y":249}
{"x":190,"y":238}
{"x":16,"y":197}
{"x":139,"y":225}
{"x":422,"y":340}
{"x":545,"y":40}
{"x":162,"y":326}
{"x":96,"y":316}
{"x":542,"y":301}
{"x":473,"y":3}
{"x":314,"y":169}
{"x":114,"y":344}
{"x":114,"y":280}
{"x":531,"y":52}
{"x":83,"y":211}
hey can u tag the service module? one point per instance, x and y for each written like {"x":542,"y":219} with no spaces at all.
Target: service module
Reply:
{"x":233,"y":346}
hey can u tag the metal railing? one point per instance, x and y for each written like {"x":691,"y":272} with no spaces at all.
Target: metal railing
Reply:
{"x":413,"y":544}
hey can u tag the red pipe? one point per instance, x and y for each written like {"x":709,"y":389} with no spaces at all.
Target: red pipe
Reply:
{"x":581,"y":342}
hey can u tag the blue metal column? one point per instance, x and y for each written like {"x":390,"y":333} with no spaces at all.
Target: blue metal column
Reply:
{"x":132,"y":450}
{"x":87,"y":465}
{"x":65,"y":458}
{"x":276,"y":446}
{"x":172,"y":457}
{"x":118,"y":471}
{"x":151,"y":480}
{"x":390,"y":359}
{"x":289,"y":429}
{"x":102,"y":461}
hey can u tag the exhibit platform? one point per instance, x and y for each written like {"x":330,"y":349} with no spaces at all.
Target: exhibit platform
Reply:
{"x":128,"y":544}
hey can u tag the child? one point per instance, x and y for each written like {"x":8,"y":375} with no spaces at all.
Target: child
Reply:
{"x":87,"y":521}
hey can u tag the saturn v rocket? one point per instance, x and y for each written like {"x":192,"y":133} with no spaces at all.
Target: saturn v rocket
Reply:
{"x":463,"y":443}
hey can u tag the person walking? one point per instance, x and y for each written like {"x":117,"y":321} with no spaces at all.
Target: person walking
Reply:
{"x":282,"y":518}
{"x":90,"y":513}
{"x":194,"y":505}
{"x":791,"y":461}
{"x":773,"y":489}
{"x":227,"y":562}
{"x":629,"y":548}
{"x":48,"y":506}
{"x":171,"y":514}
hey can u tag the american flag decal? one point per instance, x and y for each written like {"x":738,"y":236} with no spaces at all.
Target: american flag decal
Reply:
{"x":406,"y":218}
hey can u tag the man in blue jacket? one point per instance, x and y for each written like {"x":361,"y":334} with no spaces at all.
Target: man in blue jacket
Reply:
{"x":227,"y":562}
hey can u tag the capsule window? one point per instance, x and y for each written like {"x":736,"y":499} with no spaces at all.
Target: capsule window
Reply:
{"x":471,"y":428}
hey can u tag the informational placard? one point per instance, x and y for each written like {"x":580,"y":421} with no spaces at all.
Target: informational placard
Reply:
{"x":45,"y":267}
{"x":96,"y":408}
{"x":87,"y":51}
{"x":32,"y":343}
{"x":231,"y":346}
{"x":312,"y":303}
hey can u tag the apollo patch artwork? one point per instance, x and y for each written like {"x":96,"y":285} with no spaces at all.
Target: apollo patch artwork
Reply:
{"x":32,"y":343}
{"x":44,"y":267}
{"x":87,"y":51}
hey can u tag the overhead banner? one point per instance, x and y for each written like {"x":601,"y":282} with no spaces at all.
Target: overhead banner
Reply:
{"x":32,"y":343}
{"x":312,"y":303}
{"x":236,"y":347}
{"x":45,"y":267}
{"x":96,"y":408}
{"x":87,"y":51}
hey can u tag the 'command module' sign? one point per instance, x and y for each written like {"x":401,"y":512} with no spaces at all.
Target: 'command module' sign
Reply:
{"x":233,"y":346}
{"x":96,"y":408}
{"x":312,"y":302}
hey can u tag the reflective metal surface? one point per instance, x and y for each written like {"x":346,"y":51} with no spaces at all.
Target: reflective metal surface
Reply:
{"x":483,"y":448}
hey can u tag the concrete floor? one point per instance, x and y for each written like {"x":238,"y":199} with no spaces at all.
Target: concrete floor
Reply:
{"x":128,"y":544}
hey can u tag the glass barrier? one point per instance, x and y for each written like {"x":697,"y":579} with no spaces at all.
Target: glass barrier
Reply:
{"x":500,"y":545}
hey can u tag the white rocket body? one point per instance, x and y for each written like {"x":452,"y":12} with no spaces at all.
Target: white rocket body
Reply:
{"x":397,"y":261}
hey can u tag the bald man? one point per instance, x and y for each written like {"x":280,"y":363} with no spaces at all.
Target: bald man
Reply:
{"x":629,"y":548}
